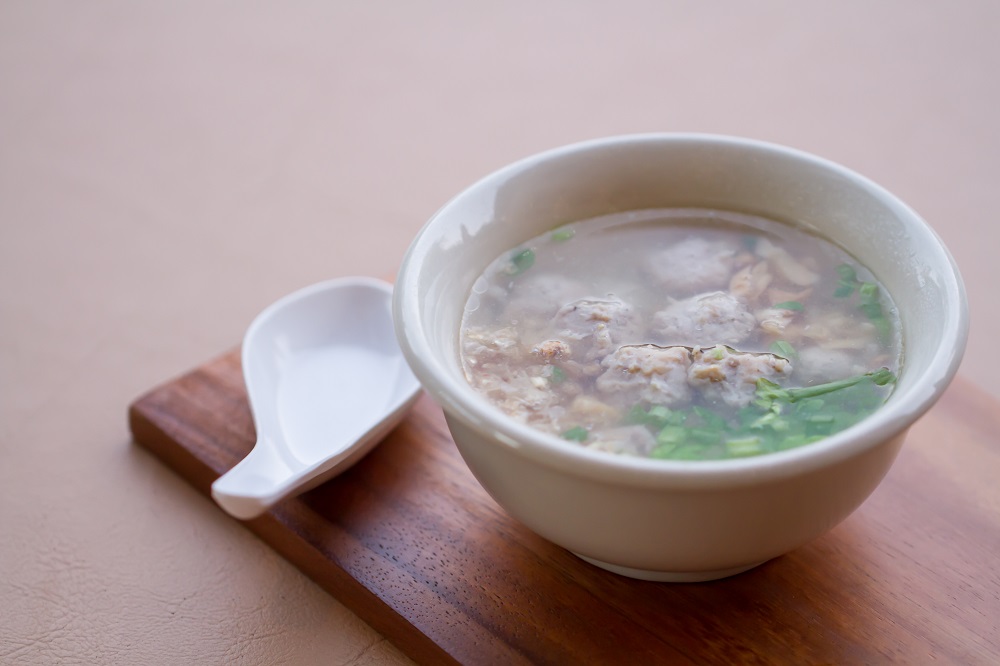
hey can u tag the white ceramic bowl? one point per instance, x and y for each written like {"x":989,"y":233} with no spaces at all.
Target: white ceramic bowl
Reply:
{"x":677,"y":520}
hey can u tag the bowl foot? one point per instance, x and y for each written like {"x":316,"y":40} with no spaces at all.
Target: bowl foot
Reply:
{"x":669,"y":576}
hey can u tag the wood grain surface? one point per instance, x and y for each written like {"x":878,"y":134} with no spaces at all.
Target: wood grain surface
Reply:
{"x":410,"y":542}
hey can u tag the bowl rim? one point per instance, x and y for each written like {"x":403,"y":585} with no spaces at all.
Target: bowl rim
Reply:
{"x":461,"y":401}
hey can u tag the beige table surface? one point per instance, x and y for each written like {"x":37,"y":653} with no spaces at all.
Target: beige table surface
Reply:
{"x":168,"y":169}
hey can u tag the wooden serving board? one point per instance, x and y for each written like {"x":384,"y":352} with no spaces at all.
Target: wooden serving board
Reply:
{"x":410,"y":542}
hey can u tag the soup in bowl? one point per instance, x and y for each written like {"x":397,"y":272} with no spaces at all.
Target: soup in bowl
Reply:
{"x":678,"y":355}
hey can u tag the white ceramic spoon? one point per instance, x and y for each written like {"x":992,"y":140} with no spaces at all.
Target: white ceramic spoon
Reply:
{"x":326,"y":382}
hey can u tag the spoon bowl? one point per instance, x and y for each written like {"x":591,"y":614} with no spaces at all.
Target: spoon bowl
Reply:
{"x":326,"y":382}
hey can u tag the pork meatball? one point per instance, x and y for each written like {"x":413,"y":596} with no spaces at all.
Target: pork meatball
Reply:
{"x":817,"y":364}
{"x":703,"y":320}
{"x":693,"y":265}
{"x":723,"y":374}
{"x":523,"y":393}
{"x":647,"y":374}
{"x":481,"y":345}
{"x":540,"y":295}
{"x":595,"y":328}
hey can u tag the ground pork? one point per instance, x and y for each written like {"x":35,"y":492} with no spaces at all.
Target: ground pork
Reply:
{"x":538,"y":295}
{"x":523,"y":393}
{"x":595,"y":328}
{"x":723,"y":374}
{"x":648,"y":374}
{"x":481,"y":344}
{"x":817,"y":364}
{"x":774,"y":321}
{"x":703,"y":320}
{"x":692,"y":265}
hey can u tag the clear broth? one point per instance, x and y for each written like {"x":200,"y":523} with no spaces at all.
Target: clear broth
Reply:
{"x":682,"y":334}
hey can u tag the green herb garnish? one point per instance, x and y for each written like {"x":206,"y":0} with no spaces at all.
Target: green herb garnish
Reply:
{"x":784,"y":349}
{"x":848,"y":281}
{"x":769,"y":391}
{"x":870,"y":303}
{"x":656,"y":417}
{"x":577,"y":434}
{"x":744,"y":446}
{"x":869,"y":300}
{"x":521,"y":261}
{"x":778,"y":419}
{"x":562,"y":235}
{"x":789,"y":305}
{"x":847,"y":273}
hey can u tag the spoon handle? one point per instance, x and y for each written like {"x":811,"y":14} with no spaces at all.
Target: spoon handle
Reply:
{"x":254,"y":485}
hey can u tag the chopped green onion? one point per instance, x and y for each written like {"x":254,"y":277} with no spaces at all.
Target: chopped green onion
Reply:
{"x":843,"y":290}
{"x":662,"y":451}
{"x":820,"y":424}
{"x":788,"y":305}
{"x":868,"y":292}
{"x":772,"y":421}
{"x":868,"y":296}
{"x":778,"y":419}
{"x":883,"y":327}
{"x":656,"y":417}
{"x":872,"y":310}
{"x":557,"y":376}
{"x":768,"y":390}
{"x":847,"y":273}
{"x":677,"y":418}
{"x":521,"y":261}
{"x":745,"y":446}
{"x":809,"y":405}
{"x":577,"y":434}
{"x":704,"y":436}
{"x":688,"y":452}
{"x":709,"y":418}
{"x":659,"y":411}
{"x":636,"y":415}
{"x":797,"y":440}
{"x":561,"y":235}
{"x":671,"y":435}
{"x":848,"y":281}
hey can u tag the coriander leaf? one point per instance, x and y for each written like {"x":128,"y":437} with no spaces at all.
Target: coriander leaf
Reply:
{"x":843,"y":290}
{"x":847,"y":273}
{"x":783,"y":349}
{"x":768,"y":391}
{"x":656,"y":417}
{"x":883,"y":376}
{"x":868,"y":291}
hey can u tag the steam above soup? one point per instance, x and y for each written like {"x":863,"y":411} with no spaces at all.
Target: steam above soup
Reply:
{"x":682,"y":334}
